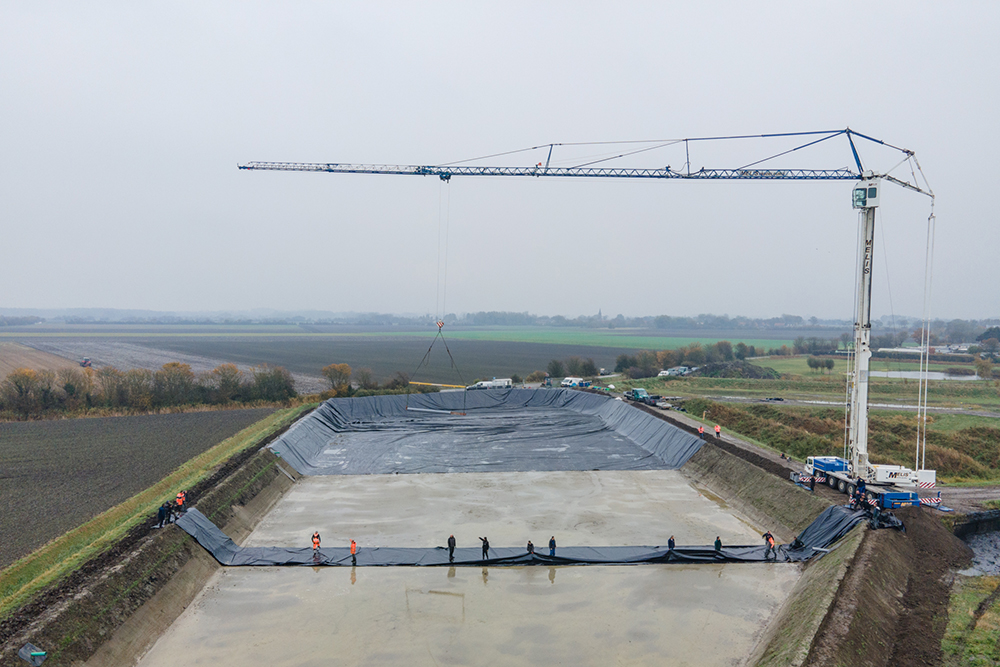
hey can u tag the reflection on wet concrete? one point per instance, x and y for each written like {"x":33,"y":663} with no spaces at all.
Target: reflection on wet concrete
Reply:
{"x":646,"y":615}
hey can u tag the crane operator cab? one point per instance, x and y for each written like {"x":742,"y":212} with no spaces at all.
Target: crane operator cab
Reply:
{"x":866,"y":192}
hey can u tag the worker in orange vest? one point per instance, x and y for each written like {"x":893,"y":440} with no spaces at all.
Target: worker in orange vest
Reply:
{"x":316,"y":540}
{"x":181,"y":496}
{"x":701,"y":432}
{"x":718,"y":431}
{"x":354,"y":552}
{"x":769,"y":543}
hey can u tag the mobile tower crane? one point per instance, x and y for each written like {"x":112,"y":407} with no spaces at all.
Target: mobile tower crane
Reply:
{"x":842,"y":473}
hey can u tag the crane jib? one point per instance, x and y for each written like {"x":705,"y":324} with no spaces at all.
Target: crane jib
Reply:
{"x":565,"y":172}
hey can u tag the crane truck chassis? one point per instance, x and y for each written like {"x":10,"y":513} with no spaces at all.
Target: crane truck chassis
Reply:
{"x":885,"y":490}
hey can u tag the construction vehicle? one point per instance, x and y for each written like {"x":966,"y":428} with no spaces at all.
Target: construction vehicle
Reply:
{"x":86,"y":362}
{"x":638,"y":394}
{"x":495,"y":383}
{"x":883,"y":482}
{"x":841,"y":472}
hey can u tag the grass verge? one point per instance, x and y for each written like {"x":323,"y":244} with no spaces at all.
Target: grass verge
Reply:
{"x":973,"y":623}
{"x":23,"y":579}
{"x":944,"y":393}
{"x":792,"y":633}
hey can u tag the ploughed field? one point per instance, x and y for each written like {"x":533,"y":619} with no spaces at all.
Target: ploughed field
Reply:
{"x":479,"y":352}
{"x":56,"y":475}
{"x":15,"y":355}
{"x":305,"y":356}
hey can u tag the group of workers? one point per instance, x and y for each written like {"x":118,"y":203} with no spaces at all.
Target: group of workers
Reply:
{"x":770,"y":548}
{"x":169,"y":511}
{"x":701,"y":431}
{"x":486,"y":547}
{"x":354,"y":547}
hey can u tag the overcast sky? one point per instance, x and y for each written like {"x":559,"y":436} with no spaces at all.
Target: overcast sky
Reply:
{"x":121,"y":126}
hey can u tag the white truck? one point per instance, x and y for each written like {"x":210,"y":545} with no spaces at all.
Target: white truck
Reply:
{"x":495,"y":383}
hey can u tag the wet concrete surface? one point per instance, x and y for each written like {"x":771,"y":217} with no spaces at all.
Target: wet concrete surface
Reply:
{"x":641,"y":615}
{"x":605,"y":508}
{"x":645,"y":615}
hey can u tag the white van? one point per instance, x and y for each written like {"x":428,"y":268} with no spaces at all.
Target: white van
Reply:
{"x":571,"y":382}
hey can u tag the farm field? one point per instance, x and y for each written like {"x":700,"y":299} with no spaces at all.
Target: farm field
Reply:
{"x":305,"y":356}
{"x":15,"y":355}
{"x":631,"y":339}
{"x":797,"y":365}
{"x":625,"y":338}
{"x":478,"y":352}
{"x":977,"y":395}
{"x":59,"y":474}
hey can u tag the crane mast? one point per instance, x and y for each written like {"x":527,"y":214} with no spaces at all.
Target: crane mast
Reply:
{"x":866,"y":199}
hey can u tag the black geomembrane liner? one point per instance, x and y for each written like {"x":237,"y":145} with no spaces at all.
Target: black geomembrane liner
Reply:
{"x":830,"y":526}
{"x":514,"y":430}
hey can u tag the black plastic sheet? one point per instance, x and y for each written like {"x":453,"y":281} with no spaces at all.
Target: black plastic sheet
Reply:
{"x":830,"y":526}
{"x":514,"y":430}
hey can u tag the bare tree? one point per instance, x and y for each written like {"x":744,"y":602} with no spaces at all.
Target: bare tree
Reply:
{"x":365,"y":378}
{"x":339,"y":376}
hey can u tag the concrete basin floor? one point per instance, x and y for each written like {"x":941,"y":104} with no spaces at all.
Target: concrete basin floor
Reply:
{"x":642,"y":615}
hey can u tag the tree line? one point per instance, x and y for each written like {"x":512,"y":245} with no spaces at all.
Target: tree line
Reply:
{"x":345,"y":381}
{"x":26,"y":392}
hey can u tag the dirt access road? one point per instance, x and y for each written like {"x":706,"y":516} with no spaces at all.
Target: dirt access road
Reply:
{"x":14,"y":356}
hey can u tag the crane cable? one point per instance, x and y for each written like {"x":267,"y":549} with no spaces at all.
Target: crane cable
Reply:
{"x":925,"y":343}
{"x":441,"y":297}
{"x":925,"y":336}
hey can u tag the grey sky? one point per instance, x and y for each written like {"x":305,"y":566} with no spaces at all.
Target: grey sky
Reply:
{"x":121,"y":125}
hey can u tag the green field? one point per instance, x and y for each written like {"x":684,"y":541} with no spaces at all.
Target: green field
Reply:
{"x":634,"y":339}
{"x":798,"y":365}
{"x":630,"y":339}
{"x":479,"y":353}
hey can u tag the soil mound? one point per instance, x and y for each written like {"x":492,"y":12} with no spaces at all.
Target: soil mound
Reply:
{"x":737,"y":369}
{"x":892,"y":607}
